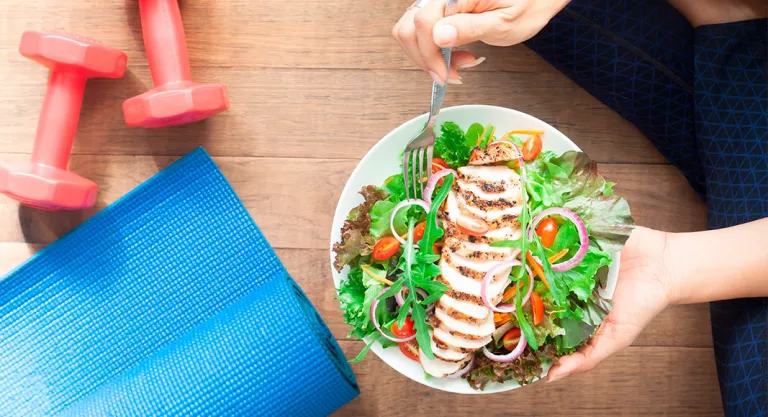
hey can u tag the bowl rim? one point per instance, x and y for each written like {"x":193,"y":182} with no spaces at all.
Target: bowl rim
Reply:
{"x":365,"y":161}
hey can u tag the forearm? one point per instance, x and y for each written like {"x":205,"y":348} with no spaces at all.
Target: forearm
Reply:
{"x":719,"y":264}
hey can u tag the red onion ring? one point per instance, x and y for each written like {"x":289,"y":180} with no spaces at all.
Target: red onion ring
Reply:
{"x":580,"y":227}
{"x":400,"y":300}
{"x":376,"y":325}
{"x":463,"y":371}
{"x":503,"y":308}
{"x":509,"y":357}
{"x":412,"y":202}
{"x":430,"y":188}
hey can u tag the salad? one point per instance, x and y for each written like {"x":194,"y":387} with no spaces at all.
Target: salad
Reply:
{"x":496,"y":271}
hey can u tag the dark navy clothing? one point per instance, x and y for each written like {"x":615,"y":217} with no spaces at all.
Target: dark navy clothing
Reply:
{"x":701,"y":96}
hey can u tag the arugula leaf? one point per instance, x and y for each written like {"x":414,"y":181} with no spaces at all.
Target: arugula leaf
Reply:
{"x":525,"y":327}
{"x":487,"y":136}
{"x":433,"y":232}
{"x":451,"y":145}
{"x":360,"y":356}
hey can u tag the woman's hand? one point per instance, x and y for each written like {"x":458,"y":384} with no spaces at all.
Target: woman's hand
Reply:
{"x":644,"y":288}
{"x":422,"y":32}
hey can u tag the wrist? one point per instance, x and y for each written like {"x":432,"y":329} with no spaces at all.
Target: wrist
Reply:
{"x":675,"y":271}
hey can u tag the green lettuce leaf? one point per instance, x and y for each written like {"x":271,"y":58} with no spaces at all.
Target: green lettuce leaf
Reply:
{"x":380,"y":216}
{"x":581,"y":279}
{"x":352,"y":299}
{"x":473,"y":134}
{"x":572,"y":181}
{"x":451,"y":145}
{"x":356,"y":239}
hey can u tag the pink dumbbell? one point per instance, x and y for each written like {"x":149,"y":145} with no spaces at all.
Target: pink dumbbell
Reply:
{"x":176,"y":99}
{"x":46,"y":183}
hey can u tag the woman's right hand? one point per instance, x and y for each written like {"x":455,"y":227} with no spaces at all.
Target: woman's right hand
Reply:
{"x":422,"y":32}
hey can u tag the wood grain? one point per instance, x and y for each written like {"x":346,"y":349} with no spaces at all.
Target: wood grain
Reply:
{"x":312,"y":113}
{"x":293,"y":200}
{"x":637,"y":381}
{"x":299,"y":34}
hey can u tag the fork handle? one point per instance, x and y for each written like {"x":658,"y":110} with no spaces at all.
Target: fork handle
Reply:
{"x":438,"y":91}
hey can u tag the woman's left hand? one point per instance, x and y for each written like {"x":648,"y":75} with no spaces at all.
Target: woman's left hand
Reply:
{"x":644,"y":288}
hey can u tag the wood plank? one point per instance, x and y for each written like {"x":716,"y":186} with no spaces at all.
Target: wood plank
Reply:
{"x":636,"y":381}
{"x":293,"y":200}
{"x":306,"y":34}
{"x":681,"y":326}
{"x":312,"y":114}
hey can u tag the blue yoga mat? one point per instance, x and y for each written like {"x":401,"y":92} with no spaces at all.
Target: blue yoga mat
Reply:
{"x":169,"y":302}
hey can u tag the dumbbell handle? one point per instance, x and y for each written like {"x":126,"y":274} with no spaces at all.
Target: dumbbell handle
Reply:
{"x":164,"y":41}
{"x":58,"y":119}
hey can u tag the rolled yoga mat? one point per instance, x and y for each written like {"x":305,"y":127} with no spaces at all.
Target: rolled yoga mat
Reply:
{"x":169,"y":302}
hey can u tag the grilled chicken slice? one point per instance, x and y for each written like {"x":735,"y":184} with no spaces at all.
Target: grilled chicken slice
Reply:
{"x":493,"y":176}
{"x":440,"y":368}
{"x":447,"y":355}
{"x":472,"y":312}
{"x":476,"y":331}
{"x":499,"y":151}
{"x":477,"y":251}
{"x":458,"y":343}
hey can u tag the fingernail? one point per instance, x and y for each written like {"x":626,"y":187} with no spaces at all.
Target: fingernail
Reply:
{"x":455,"y":81}
{"x":437,"y":78}
{"x":472,"y":64}
{"x":553,"y":378}
{"x":444,"y":34}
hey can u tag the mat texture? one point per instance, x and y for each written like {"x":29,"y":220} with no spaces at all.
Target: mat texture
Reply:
{"x":169,"y":302}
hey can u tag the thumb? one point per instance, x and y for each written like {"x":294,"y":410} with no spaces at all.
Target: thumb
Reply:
{"x":464,"y":28}
{"x":607,"y":341}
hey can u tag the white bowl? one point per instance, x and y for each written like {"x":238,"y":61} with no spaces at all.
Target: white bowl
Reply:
{"x":383,"y":160}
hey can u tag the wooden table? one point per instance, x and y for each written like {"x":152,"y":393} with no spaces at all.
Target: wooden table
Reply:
{"x":314,"y":84}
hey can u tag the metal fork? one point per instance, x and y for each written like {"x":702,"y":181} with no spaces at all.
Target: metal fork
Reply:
{"x":423,"y":144}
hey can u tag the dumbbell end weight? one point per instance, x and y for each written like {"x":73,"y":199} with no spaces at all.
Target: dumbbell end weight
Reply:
{"x":47,"y":188}
{"x":45,"y":183}
{"x":176,"y":104}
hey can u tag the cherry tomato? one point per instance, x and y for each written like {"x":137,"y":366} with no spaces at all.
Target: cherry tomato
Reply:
{"x":472,"y":226}
{"x":407,"y":350}
{"x":532,"y":148}
{"x":406,"y":331}
{"x":538,"y":308}
{"x":385,"y":248}
{"x":547,"y":231}
{"x":511,"y":338}
{"x":438,"y":164}
{"x":418,"y":231}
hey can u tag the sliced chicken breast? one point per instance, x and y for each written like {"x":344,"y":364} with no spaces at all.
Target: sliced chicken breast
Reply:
{"x":447,"y":355}
{"x":471,"y":310}
{"x":499,"y":151}
{"x":461,"y":322}
{"x":440,"y":368}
